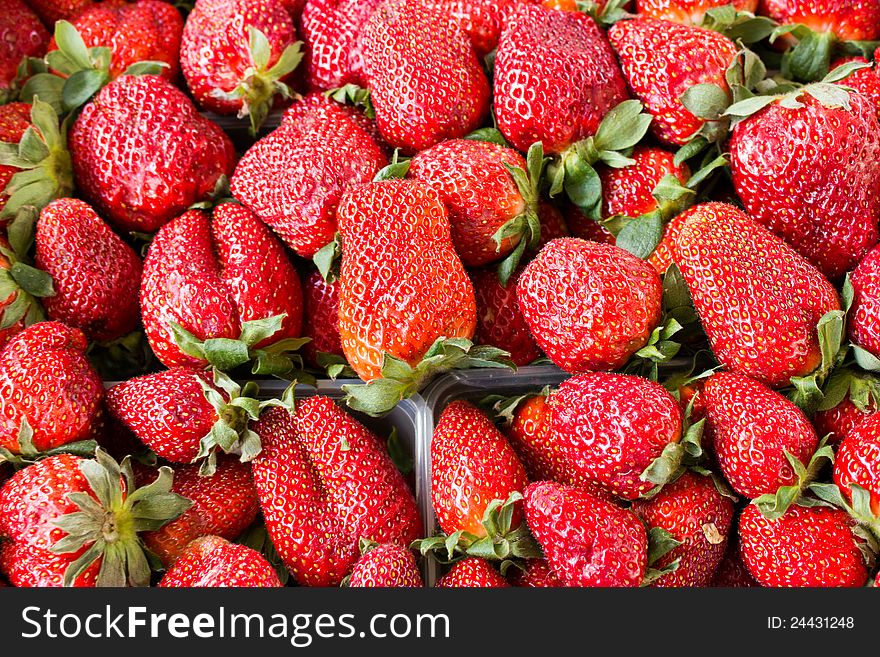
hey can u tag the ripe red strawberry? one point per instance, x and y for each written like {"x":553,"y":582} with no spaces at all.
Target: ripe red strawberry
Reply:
{"x":210,"y":275}
{"x":325,"y":482}
{"x":689,"y":12}
{"x":628,"y":191}
{"x":752,"y":427}
{"x":480,"y":19}
{"x":479,"y":192}
{"x":224,"y":505}
{"x":537,"y":574}
{"x":15,"y":118}
{"x":332,"y":30}
{"x":321,"y":317}
{"x":555,"y":78}
{"x":807,"y":546}
{"x":661,"y":60}
{"x":584,"y":227}
{"x":55,"y":10}
{"x":571,"y":295}
{"x":238,"y":55}
{"x":500,"y":322}
{"x":836,"y":422}
{"x":693,"y":511}
{"x":46,"y":379}
{"x":145,"y":30}
{"x":664,"y":253}
{"x":858,"y":461}
{"x":848,"y":19}
{"x":773,"y":297}
{"x":824,"y":200}
{"x":474,"y":573}
{"x":132,"y":177}
{"x":732,"y":572}
{"x":293,"y":178}
{"x":386,"y":566}
{"x":211,"y":561}
{"x":586,"y":540}
{"x":402,"y":285}
{"x":864,"y":314}
{"x":472,"y":464}
{"x":611,"y":427}
{"x":72,"y":521}
{"x":96,"y":276}
{"x":21,"y":35}
{"x":425,"y":80}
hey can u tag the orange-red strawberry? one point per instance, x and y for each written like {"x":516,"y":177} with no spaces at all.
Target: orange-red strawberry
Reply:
{"x":753,"y":427}
{"x":21,"y":35}
{"x":661,"y":60}
{"x":866,"y":80}
{"x":807,"y":546}
{"x":321,"y":317}
{"x":223,"y":505}
{"x":145,"y":30}
{"x":73,"y":521}
{"x":689,"y":12}
{"x":537,"y":574}
{"x":142,"y":154}
{"x":858,"y":461}
{"x":293,"y":178}
{"x":473,"y":572}
{"x":472,"y":464}
{"x":555,"y":78}
{"x":864,"y":314}
{"x":46,"y":380}
{"x":823,"y":195}
{"x":764,"y":324}
{"x":571,"y":295}
{"x":611,"y":427}
{"x":848,"y":19}
{"x":586,"y":540}
{"x":238,"y":55}
{"x":325,"y":482}
{"x":629,"y":190}
{"x":425,"y":80}
{"x":213,"y":274}
{"x":402,"y":284}
{"x":332,"y":30}
{"x":693,"y":511}
{"x":96,"y":276}
{"x":386,"y":566}
{"x":213,"y":562}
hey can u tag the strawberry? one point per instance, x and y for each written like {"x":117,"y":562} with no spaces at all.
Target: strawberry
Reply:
{"x":131,"y":177}
{"x":753,"y":427}
{"x":386,"y":566}
{"x":211,"y":561}
{"x":587,"y":541}
{"x":663,"y":255}
{"x":12,"y":310}
{"x":217,"y":276}
{"x":773,"y":297}
{"x":555,"y":78}
{"x":293,"y":178}
{"x":584,"y":227}
{"x":858,"y":461}
{"x":689,"y":12}
{"x":472,"y":572}
{"x":499,"y":320}
{"x":481,"y":20}
{"x":223,"y":505}
{"x":534,"y":443}
{"x":95,"y":274}
{"x":693,"y":511}
{"x":67,"y":517}
{"x":732,"y":572}
{"x":425,"y":80}
{"x":839,"y":420}
{"x":866,"y":80}
{"x":825,"y":199}
{"x":237,"y":56}
{"x":570,"y":296}
{"x":850,"y":397}
{"x":807,"y":546}
{"x":537,"y":574}
{"x":661,"y":60}
{"x":332,"y":30}
{"x":15,"y":118}
{"x":864,"y":313}
{"x":145,"y":30}
{"x":848,"y":19}
{"x":321,"y":318}
{"x":47,"y":387}
{"x":21,"y":35}
{"x":472,"y":464}
{"x":612,"y":427}
{"x":475,"y":182}
{"x":55,"y":10}
{"x":325,"y":482}
{"x":629,"y":191}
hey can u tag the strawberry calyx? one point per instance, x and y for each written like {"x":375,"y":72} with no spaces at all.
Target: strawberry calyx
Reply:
{"x":110,"y":520}
{"x":858,"y":506}
{"x":622,"y":128}
{"x":327,"y":258}
{"x":261,"y":83}
{"x":677,"y":457}
{"x":500,"y":543}
{"x":399,"y":380}
{"x":605,"y":14}
{"x":660,"y":543}
{"x":812,"y":51}
{"x":20,"y":281}
{"x":738,"y":26}
{"x":503,"y":409}
{"x":25,"y":453}
{"x":831,"y":330}
{"x":862,"y":389}
{"x":352,"y":94}
{"x":41,"y":154}
{"x":334,"y":366}
{"x":774,"y":506}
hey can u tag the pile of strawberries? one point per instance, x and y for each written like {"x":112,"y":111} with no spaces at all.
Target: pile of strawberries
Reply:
{"x":675,"y":202}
